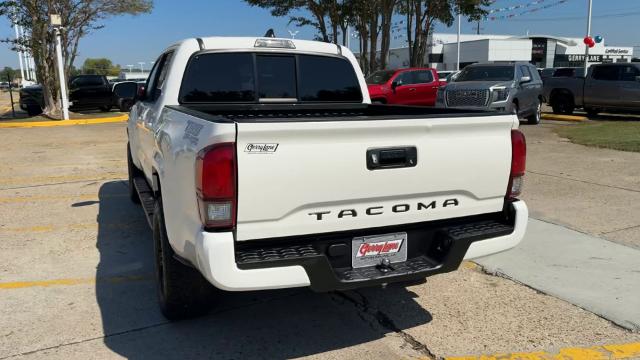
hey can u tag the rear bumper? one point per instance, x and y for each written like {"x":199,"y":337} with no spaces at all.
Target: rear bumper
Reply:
{"x":437,"y":247}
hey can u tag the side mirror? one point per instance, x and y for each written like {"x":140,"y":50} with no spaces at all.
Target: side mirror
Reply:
{"x":638,"y":78}
{"x":395,"y":84}
{"x":126,"y":90}
{"x":525,"y":79}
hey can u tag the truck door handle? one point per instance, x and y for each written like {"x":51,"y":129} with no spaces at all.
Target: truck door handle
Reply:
{"x":412,"y":89}
{"x":392,"y":157}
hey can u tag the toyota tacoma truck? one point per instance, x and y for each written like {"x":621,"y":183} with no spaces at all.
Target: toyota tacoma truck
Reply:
{"x":261,"y":164}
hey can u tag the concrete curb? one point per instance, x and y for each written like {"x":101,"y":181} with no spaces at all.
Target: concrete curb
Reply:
{"x":550,"y":116}
{"x":51,"y":123}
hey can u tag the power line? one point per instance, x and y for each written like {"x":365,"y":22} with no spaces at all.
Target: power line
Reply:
{"x":619,"y":15}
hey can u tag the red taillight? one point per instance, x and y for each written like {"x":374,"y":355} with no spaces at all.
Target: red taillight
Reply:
{"x":518,"y":162}
{"x":216,"y":185}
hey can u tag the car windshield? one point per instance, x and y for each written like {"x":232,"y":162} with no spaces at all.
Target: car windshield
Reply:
{"x":486,"y":73}
{"x":380,"y":77}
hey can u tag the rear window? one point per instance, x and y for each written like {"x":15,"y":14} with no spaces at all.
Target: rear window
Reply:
{"x":252,"y":77}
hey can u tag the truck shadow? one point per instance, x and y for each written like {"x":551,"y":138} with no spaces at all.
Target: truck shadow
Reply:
{"x":266,"y":324}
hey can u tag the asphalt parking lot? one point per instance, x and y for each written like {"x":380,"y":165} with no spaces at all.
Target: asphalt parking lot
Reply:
{"x":76,"y":271}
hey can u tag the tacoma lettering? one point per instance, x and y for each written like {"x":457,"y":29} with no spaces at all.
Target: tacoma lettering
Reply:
{"x":379,"y":210}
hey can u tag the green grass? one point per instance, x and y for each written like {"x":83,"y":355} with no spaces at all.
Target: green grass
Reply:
{"x":617,"y":135}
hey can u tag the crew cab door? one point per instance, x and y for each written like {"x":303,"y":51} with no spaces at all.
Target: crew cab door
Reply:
{"x":426,"y":87}
{"x":601,"y":87}
{"x":300,"y":177}
{"x":630,"y":87}
{"x":405,"y":93}
{"x":149,"y":111}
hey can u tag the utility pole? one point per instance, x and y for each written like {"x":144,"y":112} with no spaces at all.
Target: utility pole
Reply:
{"x":56,"y":22}
{"x":458,"y":52}
{"x":586,"y":47}
{"x":478,"y":28}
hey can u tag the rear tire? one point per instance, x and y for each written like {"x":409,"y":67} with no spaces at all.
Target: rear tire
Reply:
{"x":34,"y":110}
{"x":182,"y":291}
{"x":563,"y":104}
{"x":591,"y":112}
{"x":534,"y":119}
{"x":125,"y":105}
{"x":133,"y":172}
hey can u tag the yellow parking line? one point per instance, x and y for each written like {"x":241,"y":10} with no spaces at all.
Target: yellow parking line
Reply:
{"x":69,"y":282}
{"x":49,"y":123}
{"x":85,"y":197}
{"x":615,"y":351}
{"x":558,"y":117}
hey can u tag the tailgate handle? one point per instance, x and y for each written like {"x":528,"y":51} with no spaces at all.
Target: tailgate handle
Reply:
{"x":391,"y":158}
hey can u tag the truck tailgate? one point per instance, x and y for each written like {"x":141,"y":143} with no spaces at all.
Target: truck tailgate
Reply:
{"x":307,"y":177}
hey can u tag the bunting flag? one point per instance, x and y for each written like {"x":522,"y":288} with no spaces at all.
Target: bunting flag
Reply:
{"x":525,"y":12}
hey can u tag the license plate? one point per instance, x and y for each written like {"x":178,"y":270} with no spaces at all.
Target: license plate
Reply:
{"x":370,"y":250}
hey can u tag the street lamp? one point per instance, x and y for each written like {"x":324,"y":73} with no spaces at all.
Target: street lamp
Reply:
{"x":56,"y":23}
{"x":130,"y":68}
{"x":141,"y":66}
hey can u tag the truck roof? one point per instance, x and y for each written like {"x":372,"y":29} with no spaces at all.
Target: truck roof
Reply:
{"x":249,"y":43}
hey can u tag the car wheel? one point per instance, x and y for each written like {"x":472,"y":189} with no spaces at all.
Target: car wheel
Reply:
{"x":133,"y":172}
{"x":534,"y":119}
{"x":563,"y":104}
{"x":106,"y":108}
{"x":182,"y":291}
{"x":33,"y":110}
{"x":125,"y":105}
{"x":591,"y":112}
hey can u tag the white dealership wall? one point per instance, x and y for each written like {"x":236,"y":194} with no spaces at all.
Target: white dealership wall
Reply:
{"x":498,"y":48}
{"x":487,"y":50}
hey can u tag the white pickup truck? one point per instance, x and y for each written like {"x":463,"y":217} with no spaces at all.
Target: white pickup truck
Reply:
{"x":261,"y":164}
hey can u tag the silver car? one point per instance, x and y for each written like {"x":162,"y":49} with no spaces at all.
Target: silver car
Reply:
{"x":514,"y":87}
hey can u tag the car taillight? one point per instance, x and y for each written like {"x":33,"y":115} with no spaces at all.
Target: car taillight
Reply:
{"x":216,"y":186}
{"x":518,"y":160}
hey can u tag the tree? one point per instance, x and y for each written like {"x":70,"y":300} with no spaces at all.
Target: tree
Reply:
{"x":79,"y":18}
{"x":326,"y":15}
{"x":422,"y":15}
{"x":9,"y":73}
{"x":101,"y":66}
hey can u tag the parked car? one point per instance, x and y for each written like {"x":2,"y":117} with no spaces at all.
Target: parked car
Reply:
{"x":31,"y":99}
{"x":607,"y":87}
{"x":444,"y":76}
{"x":86,"y":92}
{"x":515,"y":88}
{"x":410,"y":86}
{"x":261,"y":164}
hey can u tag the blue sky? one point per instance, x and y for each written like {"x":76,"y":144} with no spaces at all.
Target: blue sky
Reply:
{"x":129,"y":40}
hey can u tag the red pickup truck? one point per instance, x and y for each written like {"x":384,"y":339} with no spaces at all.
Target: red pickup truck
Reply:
{"x":410,"y":86}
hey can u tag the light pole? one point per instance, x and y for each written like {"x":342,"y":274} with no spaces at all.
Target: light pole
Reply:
{"x":56,"y":22}
{"x":22,"y":79}
{"x":586,"y":47}
{"x":141,"y":66}
{"x":130,"y":68}
{"x":293,"y":33}
{"x":458,"y":52}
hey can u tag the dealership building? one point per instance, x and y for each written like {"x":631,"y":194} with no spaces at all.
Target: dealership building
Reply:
{"x":542,"y":50}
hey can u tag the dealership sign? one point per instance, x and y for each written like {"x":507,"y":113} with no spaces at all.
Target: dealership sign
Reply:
{"x":617,"y":51}
{"x":576,"y":58}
